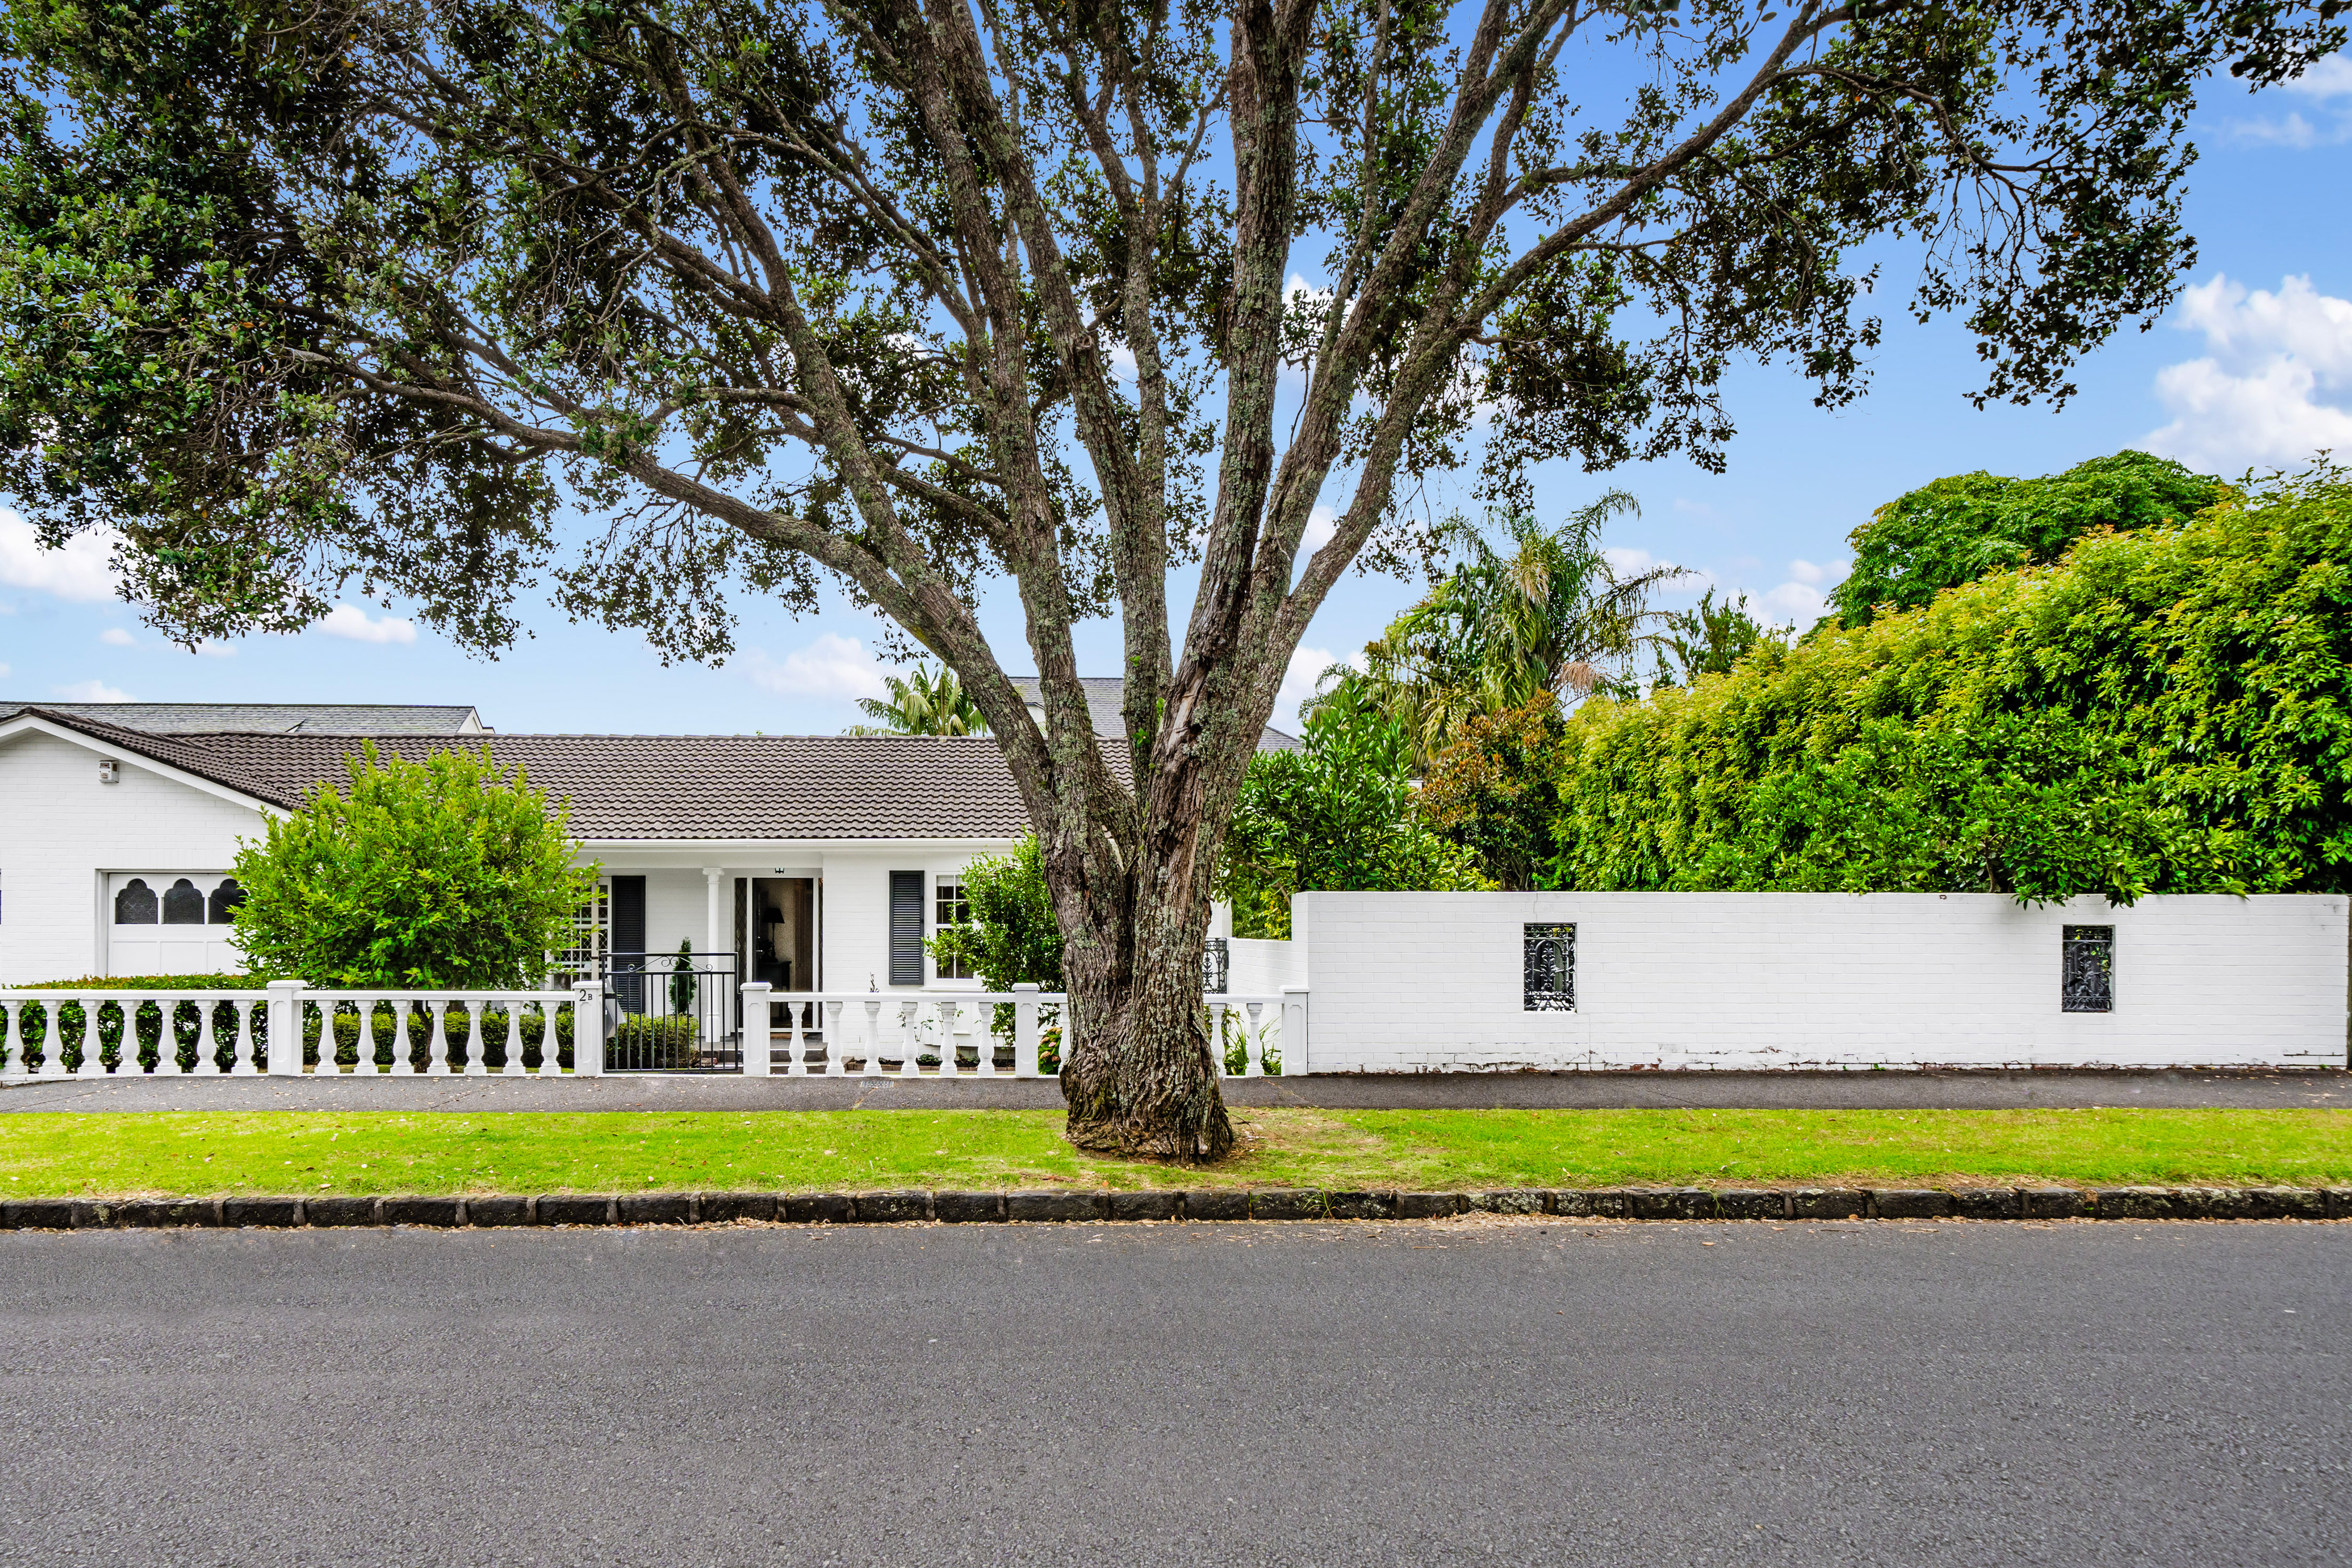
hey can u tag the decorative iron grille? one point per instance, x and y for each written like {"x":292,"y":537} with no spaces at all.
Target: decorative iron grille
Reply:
{"x":2087,"y":971}
{"x":1548,"y":975}
{"x":1216,"y":967}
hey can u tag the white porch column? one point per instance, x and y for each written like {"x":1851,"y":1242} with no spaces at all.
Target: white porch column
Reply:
{"x":711,"y":876}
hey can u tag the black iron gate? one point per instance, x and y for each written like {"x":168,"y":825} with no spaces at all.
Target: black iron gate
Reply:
{"x":679,"y":1011}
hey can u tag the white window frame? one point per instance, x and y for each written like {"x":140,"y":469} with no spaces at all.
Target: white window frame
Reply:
{"x":941,"y":896}
{"x":592,"y":940}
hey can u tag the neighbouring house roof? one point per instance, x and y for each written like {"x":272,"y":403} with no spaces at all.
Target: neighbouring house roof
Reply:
{"x":1105,"y":694}
{"x":655,"y":786}
{"x":275,"y":718}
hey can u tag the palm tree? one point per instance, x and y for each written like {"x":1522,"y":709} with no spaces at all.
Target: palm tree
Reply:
{"x":1546,"y":613}
{"x":924,"y":702}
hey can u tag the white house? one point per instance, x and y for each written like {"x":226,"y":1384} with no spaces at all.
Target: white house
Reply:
{"x":825,"y":862}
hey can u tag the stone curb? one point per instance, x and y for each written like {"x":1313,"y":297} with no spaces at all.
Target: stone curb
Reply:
{"x":1649,"y":1203}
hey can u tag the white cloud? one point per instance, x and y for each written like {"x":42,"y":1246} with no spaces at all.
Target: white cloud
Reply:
{"x":4,"y":672}
{"x":1795,"y":604}
{"x":1800,"y":601}
{"x":1322,"y":525}
{"x":82,"y":571}
{"x":2329,"y":87}
{"x":1300,"y":679}
{"x":90,"y":691}
{"x":832,"y":669}
{"x":2330,"y":78}
{"x":350,"y":622}
{"x":228,"y":650}
{"x":115,"y":637}
{"x":2270,"y":388}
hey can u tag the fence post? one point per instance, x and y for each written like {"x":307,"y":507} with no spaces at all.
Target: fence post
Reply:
{"x":1294,"y":1058}
{"x":1024,"y":1031}
{"x":286,"y":1029}
{"x":757,"y":1043}
{"x":587,"y":1030}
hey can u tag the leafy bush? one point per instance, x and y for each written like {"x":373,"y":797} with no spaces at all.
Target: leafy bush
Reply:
{"x":647,"y":1042}
{"x":1495,"y":792}
{"x":1954,"y":530}
{"x":1012,"y":938}
{"x":448,"y":874}
{"x":2162,"y":711}
{"x":152,"y":982}
{"x":1234,"y":1038}
{"x":1334,"y":814}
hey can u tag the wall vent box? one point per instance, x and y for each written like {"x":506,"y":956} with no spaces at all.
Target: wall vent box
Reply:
{"x":108,"y":771}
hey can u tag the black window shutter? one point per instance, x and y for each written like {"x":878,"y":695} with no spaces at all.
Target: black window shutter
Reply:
{"x":628,"y":937}
{"x":906,"y":928}
{"x":628,"y":914}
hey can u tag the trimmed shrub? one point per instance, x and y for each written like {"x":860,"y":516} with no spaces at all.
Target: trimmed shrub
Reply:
{"x":2165,"y":711}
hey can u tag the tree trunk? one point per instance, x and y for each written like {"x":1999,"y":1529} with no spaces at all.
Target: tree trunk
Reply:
{"x":1140,"y":1074}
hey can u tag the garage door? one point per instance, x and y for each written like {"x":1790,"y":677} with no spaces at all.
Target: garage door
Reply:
{"x":172,"y":922}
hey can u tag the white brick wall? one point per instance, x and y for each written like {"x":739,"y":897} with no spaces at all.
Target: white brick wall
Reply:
{"x":61,"y":831}
{"x":1262,"y":968}
{"x":1428,"y":981}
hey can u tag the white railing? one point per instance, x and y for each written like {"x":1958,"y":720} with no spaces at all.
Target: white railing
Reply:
{"x":399,"y":1034}
{"x":984,"y":1034}
{"x":433,"y":1034}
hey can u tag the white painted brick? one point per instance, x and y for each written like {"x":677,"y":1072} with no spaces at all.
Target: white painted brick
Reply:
{"x":1409,"y":982}
{"x":61,"y":831}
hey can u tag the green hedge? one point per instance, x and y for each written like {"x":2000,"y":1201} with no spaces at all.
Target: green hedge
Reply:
{"x":2161,"y":711}
{"x":645,"y":1042}
{"x":152,"y":982}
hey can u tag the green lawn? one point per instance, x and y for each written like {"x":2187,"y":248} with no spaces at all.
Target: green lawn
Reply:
{"x":120,"y":1155}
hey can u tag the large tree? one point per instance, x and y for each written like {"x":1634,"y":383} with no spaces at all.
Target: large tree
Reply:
{"x":913,"y":295}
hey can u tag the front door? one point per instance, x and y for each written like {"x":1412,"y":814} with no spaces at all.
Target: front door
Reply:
{"x":782,"y":942}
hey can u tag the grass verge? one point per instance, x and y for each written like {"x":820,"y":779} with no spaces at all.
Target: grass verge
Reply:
{"x":200,"y":1154}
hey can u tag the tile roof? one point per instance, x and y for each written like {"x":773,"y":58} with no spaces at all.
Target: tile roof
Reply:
{"x":1105,"y":693}
{"x":274,"y":718}
{"x":659,"y":786}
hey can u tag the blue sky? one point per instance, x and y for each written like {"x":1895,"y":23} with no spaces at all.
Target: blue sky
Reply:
{"x":2253,"y":368}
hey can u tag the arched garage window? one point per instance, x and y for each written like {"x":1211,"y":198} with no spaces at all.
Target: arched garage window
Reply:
{"x":136,"y":905}
{"x":225,"y":901}
{"x":183,"y":905}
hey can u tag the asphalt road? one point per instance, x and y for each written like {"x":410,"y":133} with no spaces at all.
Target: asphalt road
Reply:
{"x":1364,"y":1395}
{"x":1971,"y":1091}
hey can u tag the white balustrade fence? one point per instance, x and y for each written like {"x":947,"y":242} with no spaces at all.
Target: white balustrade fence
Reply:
{"x":511,"y":1034}
{"x":1019,"y":1033}
{"x":203,"y":1034}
